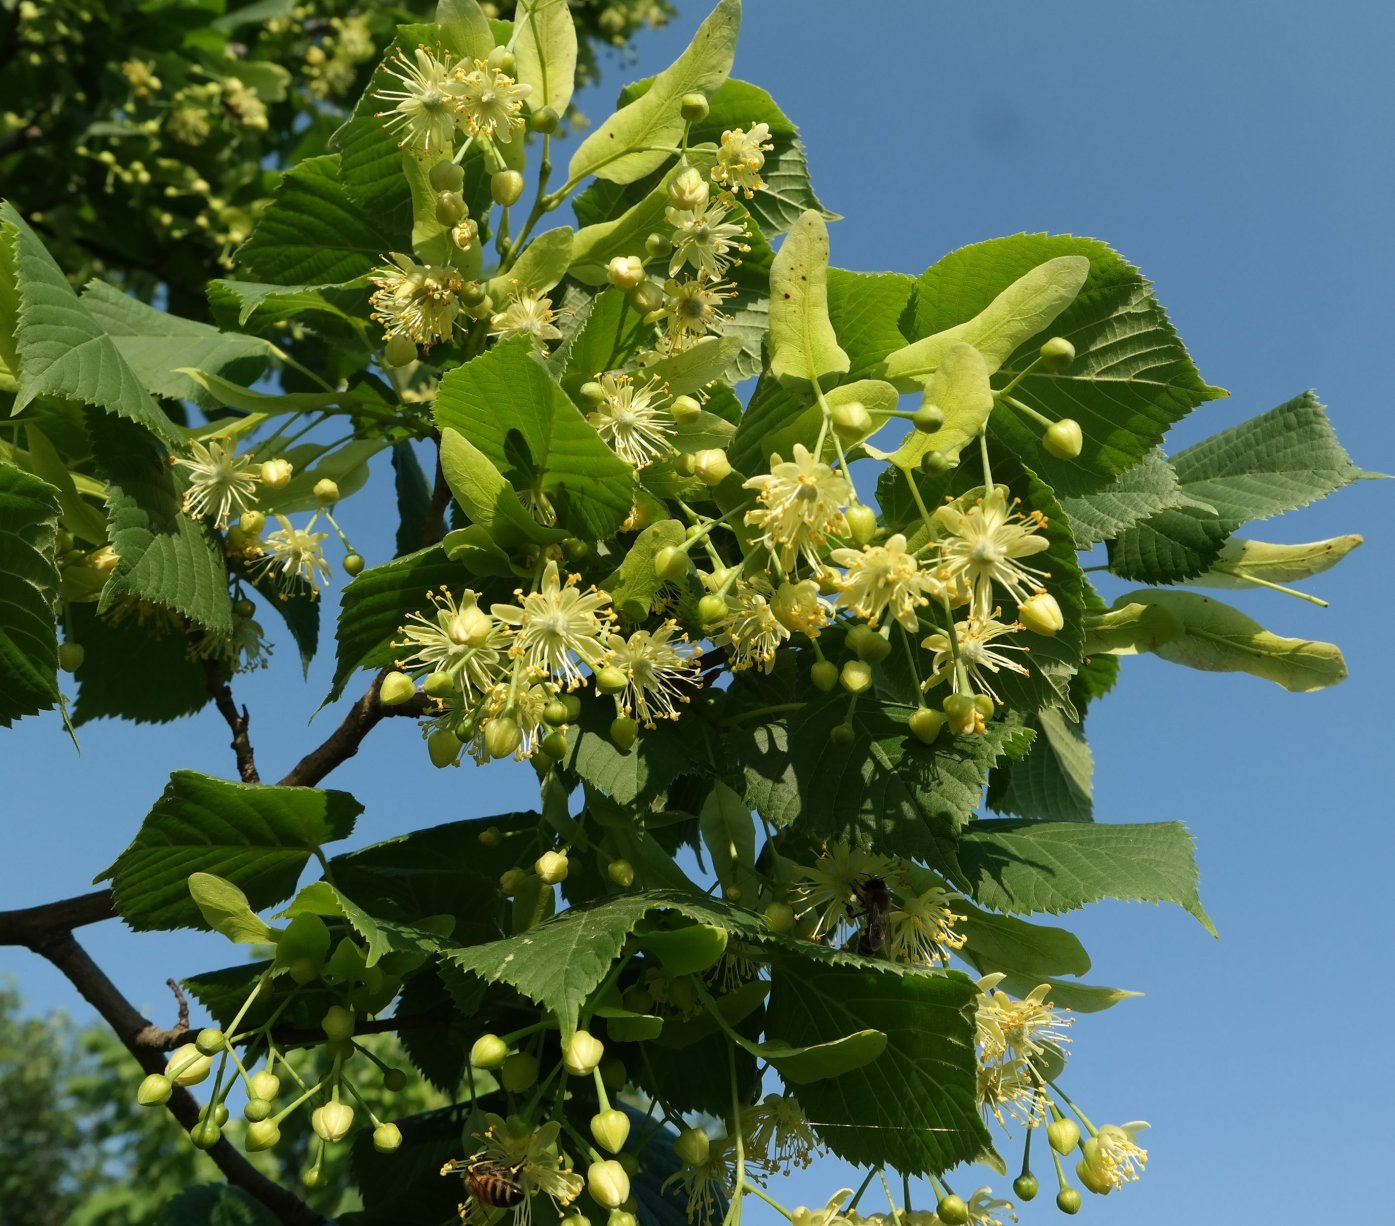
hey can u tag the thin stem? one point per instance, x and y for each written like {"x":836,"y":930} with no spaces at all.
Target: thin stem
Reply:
{"x":748,"y":1186}
{"x":862,"y":1187}
{"x":733,"y":1217}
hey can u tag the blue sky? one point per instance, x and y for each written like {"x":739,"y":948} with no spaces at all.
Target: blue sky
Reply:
{"x":1239,"y":153}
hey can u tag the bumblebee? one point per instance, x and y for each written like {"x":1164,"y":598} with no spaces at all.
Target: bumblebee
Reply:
{"x":874,"y":898}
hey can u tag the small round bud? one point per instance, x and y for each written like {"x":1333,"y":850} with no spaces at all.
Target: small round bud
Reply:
{"x":867,"y":644}
{"x":217,"y":1112}
{"x":396,"y":688}
{"x":243,"y":608}
{"x":573,"y":702}
{"x":928,"y":418}
{"x":1026,"y":1186}
{"x":779,"y":916}
{"x":856,"y":676}
{"x":252,"y":523}
{"x":935,"y":463}
{"x":337,"y":1023}
{"x":685,"y":410}
{"x":545,"y":120}
{"x":386,"y":1138}
{"x":961,"y":713}
{"x":621,"y":873}
{"x":394,"y":1081}
{"x":446,"y":177}
{"x":925,"y":725}
{"x":1057,"y":353}
{"x":657,"y":245}
{"x":555,"y":713}
{"x":551,"y":867}
{"x":303,"y":970}
{"x":1063,"y":439}
{"x":611,"y":680}
{"x":502,"y":736}
{"x":575,"y":1219}
{"x":851,"y":421}
{"x":353,"y":564}
{"x":694,"y":108}
{"x":824,"y":675}
{"x":450,"y":208}
{"x":261,"y":1134}
{"x":70,"y":656}
{"x":314,"y":1177}
{"x":154,"y":1090}
{"x":983,"y":704}
{"x":501,"y":60}
{"x":711,"y":466}
{"x":326,"y":491}
{"x":473,"y":295}
{"x":276,"y":474}
{"x":518,"y":1072}
{"x":188,"y":1066}
{"x":1068,"y":1200}
{"x":711,"y":609}
{"x":554,"y":745}
{"x":692,"y":1146}
{"x":624,"y":731}
{"x":489,"y":836}
{"x":1041,"y":614}
{"x":264,"y":1085}
{"x":623,"y":1217}
{"x":592,"y":392}
{"x":647,"y":298}
{"x":332,"y":1121}
{"x":1063,"y":1134}
{"x":256,"y":1109}
{"x":511,"y":881}
{"x":1094,"y":1179}
{"x":625,"y":272}
{"x":862,"y":522}
{"x":210,"y":1041}
{"x":439,"y":685}
{"x":505,"y":187}
{"x":842,"y":735}
{"x":205,"y":1134}
{"x":582,"y":1053}
{"x":952,"y":1210}
{"x":443,"y":747}
{"x":671,"y":563}
{"x":689,"y":189}
{"x":611,"y":1130}
{"x":608,"y":1184}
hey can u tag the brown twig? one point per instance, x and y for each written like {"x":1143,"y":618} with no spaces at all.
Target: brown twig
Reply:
{"x":236,"y":720}
{"x":29,"y":925}
{"x":183,"y":1001}
{"x":440,"y":499}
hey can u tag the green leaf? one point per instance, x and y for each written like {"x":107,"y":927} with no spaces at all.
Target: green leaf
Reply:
{"x":225,"y":909}
{"x":486,"y":497}
{"x":28,"y":629}
{"x":1219,"y":639}
{"x":258,"y":838}
{"x":543,"y":263}
{"x":959,"y":388}
{"x":915,"y":1106}
{"x":636,"y":138}
{"x":545,"y":53}
{"x":477,"y":551}
{"x":257,"y":305}
{"x":508,"y":407}
{"x":464,"y":28}
{"x":312,"y":232}
{"x":635,"y":776}
{"x":1129,"y":628}
{"x":803,"y":346}
{"x":380,"y":936}
{"x":250,"y":401}
{"x":215,"y":1204}
{"x":1055,"y":781}
{"x":877,"y":396}
{"x":1028,"y":867}
{"x":729,"y":834}
{"x":79,"y":516}
{"x":634,"y":584}
{"x":1067,"y":993}
{"x":1139,"y":493}
{"x":1245,"y":564}
{"x":1005,"y":943}
{"x":693,"y":369}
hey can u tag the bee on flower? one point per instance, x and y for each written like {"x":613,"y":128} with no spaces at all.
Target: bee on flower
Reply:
{"x":657,"y":665}
{"x":557,"y":625}
{"x":631,"y":421}
{"x":741,"y":157}
{"x":982,"y":537}
{"x":802,"y":503}
{"x":533,"y":1163}
{"x":420,"y":301}
{"x":829,"y":887}
{"x":220,"y":481}
{"x":527,"y":314}
{"x":295,"y":555}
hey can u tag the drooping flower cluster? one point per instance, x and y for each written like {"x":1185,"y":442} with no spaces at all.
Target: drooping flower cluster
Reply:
{"x":436,"y":100}
{"x":419,"y":301}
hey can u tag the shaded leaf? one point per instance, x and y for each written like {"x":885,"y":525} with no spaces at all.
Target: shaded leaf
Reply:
{"x":28,"y":627}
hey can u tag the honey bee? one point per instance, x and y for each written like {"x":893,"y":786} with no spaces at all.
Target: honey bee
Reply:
{"x":493,"y":1184}
{"x":874,"y":897}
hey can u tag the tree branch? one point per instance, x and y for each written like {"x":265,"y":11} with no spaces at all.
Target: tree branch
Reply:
{"x":31,"y":925}
{"x":236,"y":721}
{"x":440,"y":499}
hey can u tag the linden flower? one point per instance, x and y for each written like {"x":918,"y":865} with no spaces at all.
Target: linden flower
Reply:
{"x":532,"y":1156}
{"x":630,"y":423}
{"x":922,"y":927}
{"x":489,"y":101}
{"x":656,"y":667}
{"x":704,"y":239}
{"x":982,"y":545}
{"x":220,"y":482}
{"x":692,"y":310}
{"x":557,"y":623}
{"x":418,"y":300}
{"x":708,"y":1183}
{"x":830,"y":886}
{"x":800,"y":608}
{"x":975,"y":636}
{"x":1011,"y":1091}
{"x":777,"y":1134}
{"x":801,"y":506}
{"x":1018,"y":1029}
{"x":527,"y":314}
{"x":423,"y":114}
{"x":528,"y":704}
{"x":460,"y":639}
{"x":295,"y":554}
{"x":741,"y":157}
{"x":750,"y":631}
{"x":984,"y":1209}
{"x":884,"y":578}
{"x":829,"y":1215}
{"x":1113,"y":1154}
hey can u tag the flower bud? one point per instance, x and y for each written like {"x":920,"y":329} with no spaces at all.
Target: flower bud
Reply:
{"x":851,"y":421}
{"x":862,"y":522}
{"x":205,"y":1134}
{"x":622,"y":1217}
{"x":611,"y":1130}
{"x":582,"y":1053}
{"x":626,"y":272}
{"x":188,"y":1066}
{"x":518,"y":1072}
{"x":446,"y":176}
{"x":70,"y":656}
{"x":712,"y":466}
{"x":154,"y":1090}
{"x":711,"y":609}
{"x":935,"y":463}
{"x":252,"y":523}
{"x":450,"y":208}
{"x":554,"y":745}
{"x":210,"y":1041}
{"x":689,"y":189}
{"x":265,"y":1085}
{"x":256,"y":1109}
{"x":925,"y":725}
{"x":1063,"y":1134}
{"x":511,"y":881}
{"x":396,"y":688}
{"x":1041,"y":614}
{"x":386,"y":1138}
{"x":824,"y":675}
{"x":867,"y":644}
{"x":276,"y":474}
{"x":502,"y":736}
{"x":1094,"y":1179}
{"x":694,"y":108}
{"x":1063,"y":439}
{"x":624,"y":731}
{"x":928,"y":418}
{"x":326,"y":491}
{"x":217,"y":1112}
{"x":551,"y":867}
{"x":575,"y":1219}
{"x":1068,"y":1200}
{"x":1026,"y":1186}
{"x":856,"y":676}
{"x":779,"y":916}
{"x":842,"y":735}
{"x":545,"y":120}
{"x":952,"y":1210}
{"x":474,"y":296}
{"x":685,"y":410}
{"x":353,"y":564}
{"x":657,"y":245}
{"x":501,"y":60}
{"x":443,"y":746}
{"x":332,"y":1121}
{"x":692,"y":1146}
{"x":611,"y":680}
{"x":505,"y":187}
{"x":621,"y":873}
{"x":337,"y":1023}
{"x":1057,"y":353}
{"x":671,"y":563}
{"x":261,"y":1134}
{"x":961,"y":713}
{"x":464,"y":233}
{"x":647,"y":298}
{"x":608,"y":1184}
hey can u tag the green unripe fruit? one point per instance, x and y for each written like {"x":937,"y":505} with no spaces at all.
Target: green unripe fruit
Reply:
{"x":450,"y":208}
{"x":70,"y":656}
{"x":154,"y":1090}
{"x":394,"y":1081}
{"x":326,"y":491}
{"x":261,"y":1134}
{"x":218,"y":1114}
{"x":332,"y":1121}
{"x":1057,"y":353}
{"x":711,"y":466}
{"x":552,"y":867}
{"x":862,"y":523}
{"x":624,"y":731}
{"x":647,"y":298}
{"x":842,"y":735}
{"x":518,"y":1072}
{"x":692,"y":1146}
{"x":353,"y":564}
{"x":554,"y":745}
{"x":824,"y":675}
{"x":502,"y":736}
{"x":400,"y":350}
{"x":396,"y":688}
{"x":867,"y":644}
{"x":446,"y":177}
{"x":694,"y":108}
{"x":188,"y":1066}
{"x":856,"y":676}
{"x":337,"y":1023}
{"x":1063,"y":1134}
{"x":582,"y":1054}
{"x":779,"y":916}
{"x":303,"y":970}
{"x":555,"y":713}
{"x":685,"y":410}
{"x":611,"y":680}
{"x":711,"y":609}
{"x":505,"y":187}
{"x":575,"y":1219}
{"x":1026,"y":1186}
{"x":573,"y":702}
{"x":1041,"y":614}
{"x":983,"y":704}
{"x":608,"y":1184}
{"x":386,"y":1138}
{"x":1068,"y":1200}
{"x":928,"y":418}
{"x":256,"y":1109}
{"x":264,"y":1085}
{"x":1094,"y":1180}
{"x":851,"y":421}
{"x":935,"y":463}
{"x":952,"y":1210}
{"x":611,"y":1130}
{"x":671,"y":563}
{"x":205,"y":1134}
{"x":210,"y":1041}
{"x":241,"y":608}
{"x":544,"y":120}
{"x":925,"y":725}
{"x":621,"y":873}
{"x":960,"y":711}
{"x":439,"y":685}
{"x":1063,"y":439}
{"x":473,"y":295}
